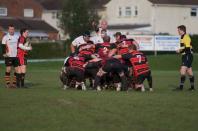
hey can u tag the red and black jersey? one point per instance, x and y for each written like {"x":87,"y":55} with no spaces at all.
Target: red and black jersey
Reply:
{"x":21,"y":40}
{"x":123,"y":47}
{"x":103,"y":49}
{"x":86,"y":49}
{"x":20,"y":52}
{"x":138,"y":61}
{"x":77,"y":62}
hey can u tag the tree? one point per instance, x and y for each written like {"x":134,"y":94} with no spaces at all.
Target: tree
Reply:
{"x":76,"y":17}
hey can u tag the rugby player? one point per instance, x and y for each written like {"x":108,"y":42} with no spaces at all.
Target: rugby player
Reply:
{"x":75,"y":70}
{"x":79,"y":41}
{"x":140,"y":67}
{"x":97,"y":38}
{"x":22,"y":51}
{"x":9,"y":46}
{"x":104,"y":26}
{"x":109,"y":64}
{"x":86,"y":50}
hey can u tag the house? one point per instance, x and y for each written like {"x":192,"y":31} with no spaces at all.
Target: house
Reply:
{"x":99,"y":6}
{"x":129,"y":16}
{"x":168,"y":14}
{"x":51,"y":12}
{"x":151,"y":16}
{"x":25,"y":14}
{"x":39,"y":29}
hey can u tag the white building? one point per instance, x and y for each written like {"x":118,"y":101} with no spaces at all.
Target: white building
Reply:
{"x":151,"y":16}
{"x":51,"y":13}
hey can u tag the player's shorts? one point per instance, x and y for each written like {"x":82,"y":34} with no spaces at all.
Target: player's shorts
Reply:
{"x":91,"y":69}
{"x":111,"y":78}
{"x":140,"y":79}
{"x":187,"y":60}
{"x":75,"y":73}
{"x":91,"y":72}
{"x":113,"y":66}
{"x":11,"y":61}
{"x":22,"y":61}
{"x":116,"y":78}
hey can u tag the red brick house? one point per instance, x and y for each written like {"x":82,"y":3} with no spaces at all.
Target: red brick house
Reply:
{"x":25,"y":13}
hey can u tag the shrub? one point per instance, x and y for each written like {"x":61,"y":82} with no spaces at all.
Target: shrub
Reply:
{"x":194,"y":39}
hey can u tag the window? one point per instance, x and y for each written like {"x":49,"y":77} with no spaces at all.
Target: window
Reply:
{"x":28,"y":13}
{"x":193,"y":12}
{"x":3,"y":11}
{"x":58,"y":15}
{"x":136,"y":11}
{"x":58,"y":23}
{"x":120,"y":11}
{"x":54,"y":16}
{"x":128,"y":11}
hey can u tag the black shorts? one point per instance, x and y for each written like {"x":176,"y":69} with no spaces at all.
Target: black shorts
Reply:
{"x":11,"y":61}
{"x":111,"y":78}
{"x":140,"y":79}
{"x":116,"y":78}
{"x":91,"y":69}
{"x":113,"y":66}
{"x":187,"y":60}
{"x":91,"y":72}
{"x":75,"y":73}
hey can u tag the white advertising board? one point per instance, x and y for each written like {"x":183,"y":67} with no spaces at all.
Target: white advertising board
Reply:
{"x":167,"y":43}
{"x":146,"y":42}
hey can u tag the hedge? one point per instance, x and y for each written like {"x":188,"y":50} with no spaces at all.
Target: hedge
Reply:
{"x":194,"y":39}
{"x":48,"y":50}
{"x":62,"y":49}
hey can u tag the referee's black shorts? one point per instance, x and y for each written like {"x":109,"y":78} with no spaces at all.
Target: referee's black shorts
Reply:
{"x":12,"y":61}
{"x":187,"y":60}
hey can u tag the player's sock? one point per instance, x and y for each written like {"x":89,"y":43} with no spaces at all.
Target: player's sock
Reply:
{"x":22,"y":79}
{"x":182,"y":80}
{"x":14,"y":79}
{"x":118,"y":86}
{"x":97,"y":81}
{"x":124,"y":83}
{"x":142,"y":88}
{"x":7,"y":78}
{"x":150,"y":82}
{"x":90,"y":82}
{"x":192,"y":80}
{"x":18,"y":80}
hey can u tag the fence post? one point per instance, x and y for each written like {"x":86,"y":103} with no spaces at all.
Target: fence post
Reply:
{"x":155,"y":53}
{"x":155,"y":50}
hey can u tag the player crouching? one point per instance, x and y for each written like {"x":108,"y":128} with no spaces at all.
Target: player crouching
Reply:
{"x":73,"y":70}
{"x":140,"y":67}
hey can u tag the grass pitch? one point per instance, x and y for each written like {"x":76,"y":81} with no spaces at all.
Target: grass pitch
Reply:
{"x":46,"y":107}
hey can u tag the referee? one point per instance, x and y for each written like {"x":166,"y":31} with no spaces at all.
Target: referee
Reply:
{"x":187,"y":58}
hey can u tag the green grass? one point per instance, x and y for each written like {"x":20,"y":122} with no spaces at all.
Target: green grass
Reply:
{"x":45,"y":107}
